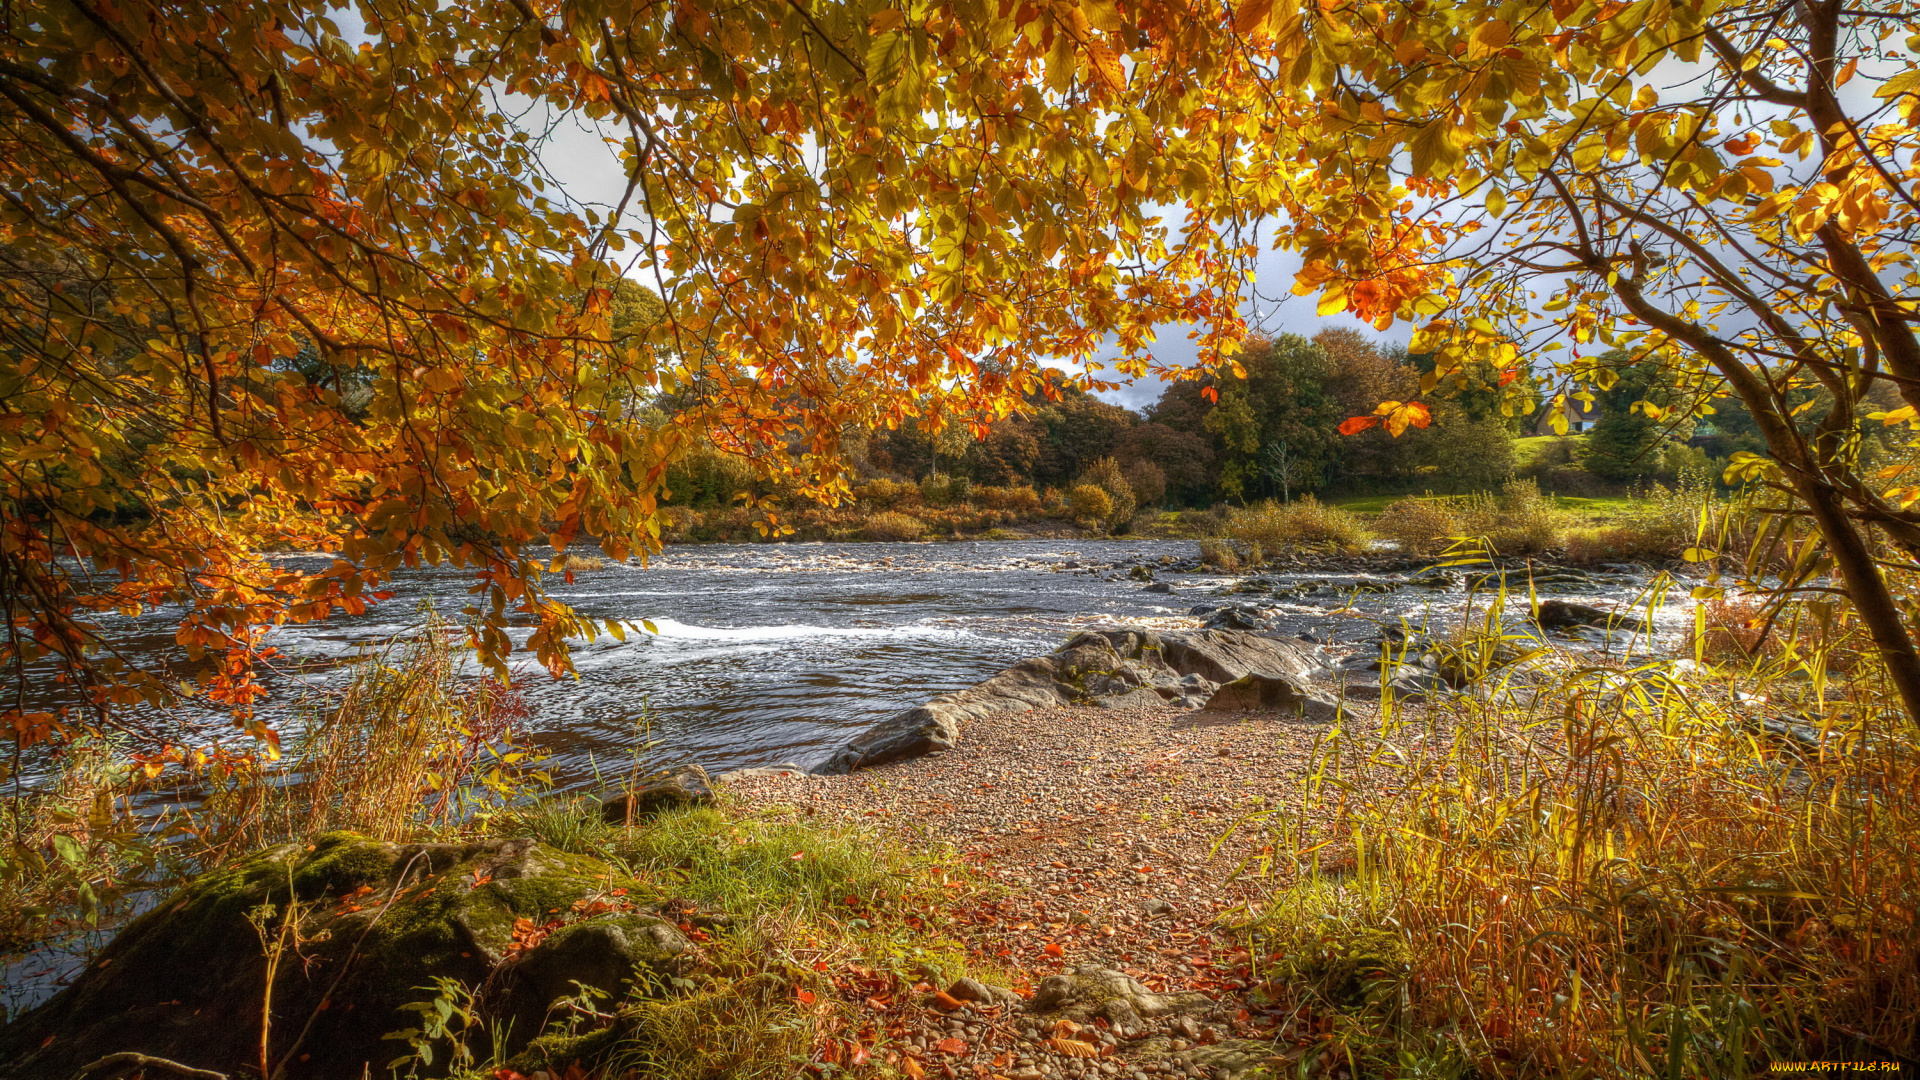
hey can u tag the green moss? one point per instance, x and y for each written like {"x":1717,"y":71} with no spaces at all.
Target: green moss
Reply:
{"x":341,"y":862}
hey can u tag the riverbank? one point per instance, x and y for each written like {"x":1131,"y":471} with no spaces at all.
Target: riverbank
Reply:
{"x":1147,"y":892}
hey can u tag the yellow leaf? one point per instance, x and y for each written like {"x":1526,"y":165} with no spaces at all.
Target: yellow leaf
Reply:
{"x":1493,"y":36}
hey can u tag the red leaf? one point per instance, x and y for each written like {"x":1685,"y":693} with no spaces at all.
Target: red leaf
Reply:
{"x":805,"y":997}
{"x":951,"y":1046}
{"x":1054,"y":949}
{"x":1354,"y":425}
{"x":1509,"y":375}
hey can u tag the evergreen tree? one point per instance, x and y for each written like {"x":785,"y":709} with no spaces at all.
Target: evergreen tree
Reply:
{"x":1625,"y":442}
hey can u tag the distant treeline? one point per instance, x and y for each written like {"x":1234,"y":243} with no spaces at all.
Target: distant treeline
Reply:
{"x":1275,"y":434}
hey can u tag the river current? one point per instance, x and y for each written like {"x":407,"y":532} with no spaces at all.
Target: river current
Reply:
{"x":777,"y":653}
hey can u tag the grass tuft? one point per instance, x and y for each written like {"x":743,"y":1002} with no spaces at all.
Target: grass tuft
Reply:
{"x":1304,"y":522}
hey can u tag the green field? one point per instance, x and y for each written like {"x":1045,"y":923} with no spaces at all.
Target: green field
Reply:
{"x":1528,"y":450}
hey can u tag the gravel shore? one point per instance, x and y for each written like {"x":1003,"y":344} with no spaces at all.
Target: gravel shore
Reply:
{"x":1113,"y":833}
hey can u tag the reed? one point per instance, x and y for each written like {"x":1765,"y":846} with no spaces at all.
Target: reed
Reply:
{"x":409,"y":748}
{"x":1595,"y":869}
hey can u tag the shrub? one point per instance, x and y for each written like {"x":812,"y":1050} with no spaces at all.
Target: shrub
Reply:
{"x":1022,"y":500}
{"x":1519,"y":521}
{"x":1092,"y":507}
{"x":1419,"y":526}
{"x":883,"y":492}
{"x":1219,"y":554}
{"x":1277,"y":527}
{"x":578,"y":564}
{"x":1663,"y":523}
{"x":944,"y":490}
{"x":1105,"y":474}
{"x":893,"y":525}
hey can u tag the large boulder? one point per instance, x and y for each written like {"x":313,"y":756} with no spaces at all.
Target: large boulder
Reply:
{"x":360,"y":927}
{"x":1107,"y":667}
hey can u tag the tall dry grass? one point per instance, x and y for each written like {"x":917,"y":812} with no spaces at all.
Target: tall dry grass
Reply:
{"x":1614,"y":871}
{"x":410,"y":747}
{"x":1304,"y":522}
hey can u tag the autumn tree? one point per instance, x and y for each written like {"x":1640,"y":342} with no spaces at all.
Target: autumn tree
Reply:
{"x":1725,"y":190}
{"x":296,"y":276}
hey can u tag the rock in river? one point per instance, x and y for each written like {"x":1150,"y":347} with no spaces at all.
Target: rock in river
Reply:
{"x":1564,"y":614}
{"x":1114,"y":667}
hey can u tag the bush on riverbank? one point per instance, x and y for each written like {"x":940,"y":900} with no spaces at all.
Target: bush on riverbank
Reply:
{"x":1305,"y":522}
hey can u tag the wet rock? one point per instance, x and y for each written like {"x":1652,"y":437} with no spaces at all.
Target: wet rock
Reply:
{"x":1088,"y":991}
{"x":1564,"y":614}
{"x":377,"y":921}
{"x":1141,"y":573}
{"x":668,"y":789}
{"x":1159,"y":587}
{"x":1237,"y":617}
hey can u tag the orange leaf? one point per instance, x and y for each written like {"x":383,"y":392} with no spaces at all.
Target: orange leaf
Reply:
{"x":1054,"y":949}
{"x":1354,"y":425}
{"x":912,"y":1068}
{"x":944,"y":1000}
{"x":1252,"y":15}
{"x":951,"y":1046}
{"x":1408,"y":413}
{"x":1074,"y":1047}
{"x":805,"y":997}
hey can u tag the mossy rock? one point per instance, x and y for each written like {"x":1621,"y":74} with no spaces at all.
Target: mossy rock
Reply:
{"x":377,"y":922}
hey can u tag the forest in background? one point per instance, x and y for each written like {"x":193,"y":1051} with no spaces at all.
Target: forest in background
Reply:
{"x":1224,"y":441}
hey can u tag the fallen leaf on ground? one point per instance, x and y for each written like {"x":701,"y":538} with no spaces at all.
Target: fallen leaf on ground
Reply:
{"x":951,"y":1046}
{"x":1074,"y":1047}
